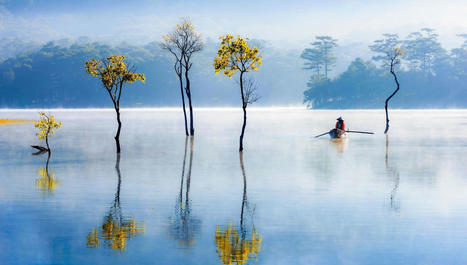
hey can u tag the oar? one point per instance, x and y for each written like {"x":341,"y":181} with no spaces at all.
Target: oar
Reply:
{"x":360,"y":132}
{"x":321,"y":134}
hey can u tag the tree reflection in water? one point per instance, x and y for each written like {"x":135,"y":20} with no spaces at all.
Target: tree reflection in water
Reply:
{"x":46,"y":182}
{"x":116,"y":228}
{"x":183,"y":226}
{"x":394,"y":172}
{"x":237,"y":244}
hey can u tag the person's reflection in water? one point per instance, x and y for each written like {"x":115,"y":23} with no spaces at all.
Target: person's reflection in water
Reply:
{"x":183,"y":226}
{"x":46,"y":182}
{"x":236,"y":244}
{"x":116,"y":228}
{"x":394,"y":172}
{"x":340,"y":144}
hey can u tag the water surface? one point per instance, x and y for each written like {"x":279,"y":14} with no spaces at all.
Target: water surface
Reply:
{"x":290,"y":199}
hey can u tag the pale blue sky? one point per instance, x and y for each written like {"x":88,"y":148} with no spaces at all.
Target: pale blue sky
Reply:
{"x":290,"y":23}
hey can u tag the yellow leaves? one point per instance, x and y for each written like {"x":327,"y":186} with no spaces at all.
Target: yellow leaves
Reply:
{"x":398,"y":51}
{"x":46,"y":183}
{"x":236,"y":55}
{"x":93,"y":239}
{"x":91,"y":67}
{"x":235,"y":247}
{"x":115,"y":232}
{"x":132,"y":77}
{"x":13,"y":121}
{"x":113,"y":72}
{"x":46,"y":126}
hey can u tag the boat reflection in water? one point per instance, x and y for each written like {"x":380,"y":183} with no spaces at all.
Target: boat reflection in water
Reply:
{"x":116,"y":228}
{"x":237,"y":244}
{"x":340,"y":144}
{"x":46,"y":182}
{"x":183,"y":226}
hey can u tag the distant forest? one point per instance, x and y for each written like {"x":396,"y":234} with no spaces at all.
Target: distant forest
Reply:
{"x":36,"y":75}
{"x":53,"y":75}
{"x":430,"y":76}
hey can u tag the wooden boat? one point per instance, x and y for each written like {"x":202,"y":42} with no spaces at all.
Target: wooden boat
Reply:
{"x":337,"y":134}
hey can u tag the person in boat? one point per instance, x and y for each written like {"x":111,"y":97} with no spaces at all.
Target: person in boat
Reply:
{"x":340,"y":124}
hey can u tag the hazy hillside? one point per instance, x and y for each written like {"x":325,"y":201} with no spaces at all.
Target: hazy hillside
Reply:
{"x":54,"y":76}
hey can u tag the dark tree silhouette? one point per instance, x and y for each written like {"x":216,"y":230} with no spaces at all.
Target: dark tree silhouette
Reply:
{"x":394,"y":60}
{"x":389,"y":54}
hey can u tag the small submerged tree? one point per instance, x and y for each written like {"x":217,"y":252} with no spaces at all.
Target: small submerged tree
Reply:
{"x":390,"y":55}
{"x":113,"y":73}
{"x":236,"y":55}
{"x":182,"y":43}
{"x":47,"y":126}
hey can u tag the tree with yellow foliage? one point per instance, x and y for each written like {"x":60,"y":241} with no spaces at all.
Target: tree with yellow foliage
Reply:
{"x":114,"y":73}
{"x":235,"y":55}
{"x":182,"y":43}
{"x":47,"y":126}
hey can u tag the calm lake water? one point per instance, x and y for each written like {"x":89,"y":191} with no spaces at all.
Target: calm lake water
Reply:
{"x":291,"y":198}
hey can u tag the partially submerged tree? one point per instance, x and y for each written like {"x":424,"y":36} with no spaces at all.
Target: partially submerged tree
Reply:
{"x":47,"y":126}
{"x":113,"y":73}
{"x":182,"y":43}
{"x":173,"y":43}
{"x":390,"y":55}
{"x":236,"y":55}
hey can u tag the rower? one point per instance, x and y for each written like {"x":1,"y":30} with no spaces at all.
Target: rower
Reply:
{"x":340,"y":124}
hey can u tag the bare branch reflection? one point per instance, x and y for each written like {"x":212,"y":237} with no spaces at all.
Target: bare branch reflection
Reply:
{"x":183,"y":226}
{"x":394,"y":173}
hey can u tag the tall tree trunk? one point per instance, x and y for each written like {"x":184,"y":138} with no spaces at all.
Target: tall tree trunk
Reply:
{"x":387,"y":100}
{"x":183,"y":100}
{"x":244,"y":105}
{"x":47,"y":142}
{"x":188,"y":94}
{"x":117,"y":136}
